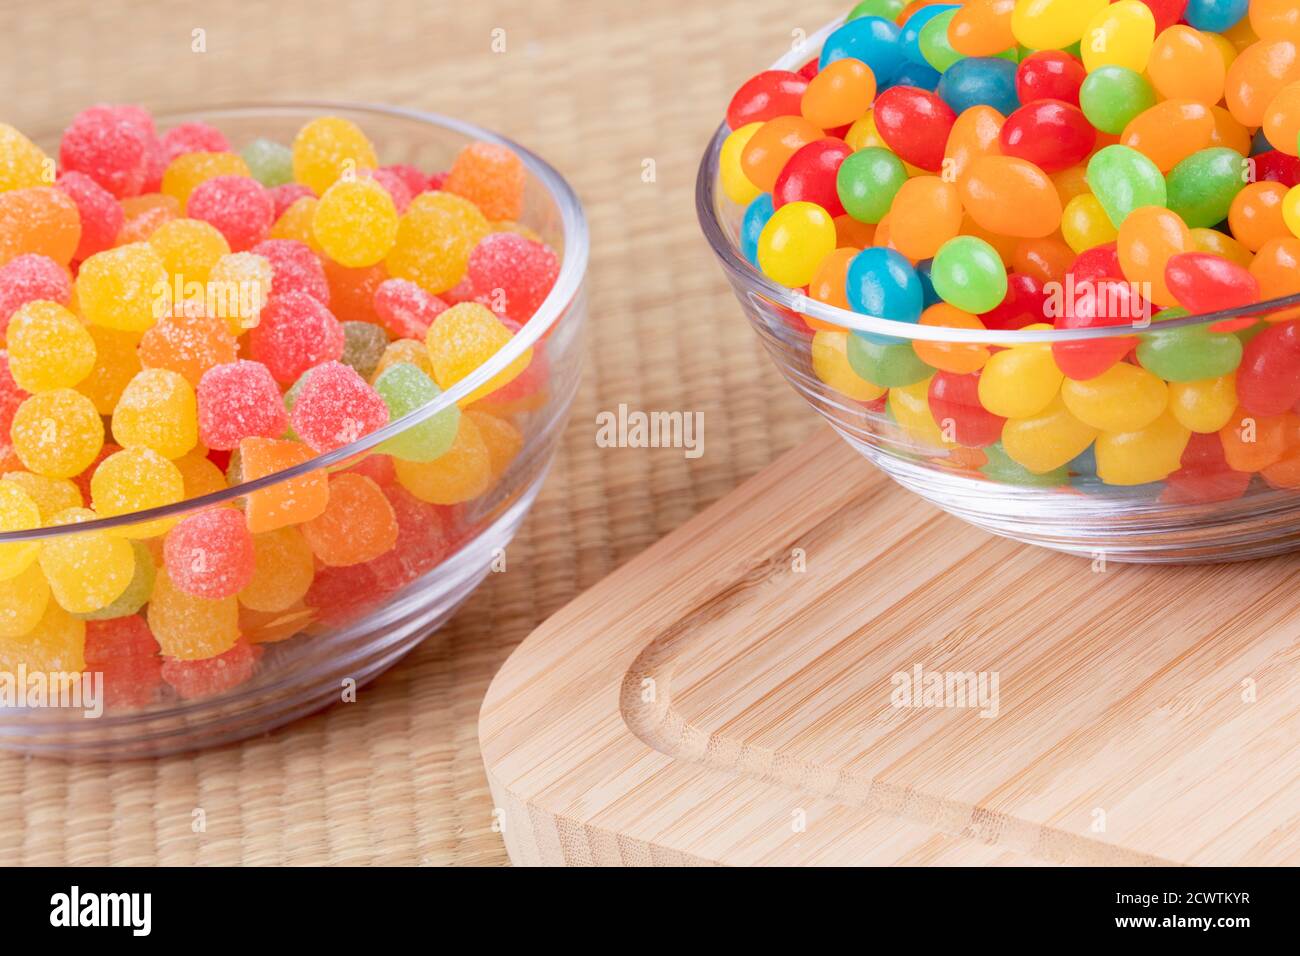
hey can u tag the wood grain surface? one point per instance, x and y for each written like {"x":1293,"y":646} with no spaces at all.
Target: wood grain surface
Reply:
{"x":595,"y":87}
{"x":733,"y":695}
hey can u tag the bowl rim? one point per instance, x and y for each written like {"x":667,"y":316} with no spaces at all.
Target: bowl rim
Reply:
{"x":744,"y":276}
{"x":567,"y":288}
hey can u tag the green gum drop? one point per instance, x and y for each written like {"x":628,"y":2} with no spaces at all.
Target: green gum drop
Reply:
{"x":270,"y":163}
{"x":1203,"y":186}
{"x":887,"y":364}
{"x":404,"y":388}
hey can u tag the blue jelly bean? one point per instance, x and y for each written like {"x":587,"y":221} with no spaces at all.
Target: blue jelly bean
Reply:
{"x":1215,"y":16}
{"x":920,"y":75}
{"x":910,"y":37}
{"x":873,"y":40}
{"x":924,"y":272}
{"x":980,"y":80}
{"x":1259,"y":143}
{"x":881,"y":282}
{"x":757,"y":213}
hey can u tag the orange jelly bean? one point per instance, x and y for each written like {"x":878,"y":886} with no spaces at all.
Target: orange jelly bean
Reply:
{"x":1186,"y":64}
{"x":982,"y":27}
{"x":974,"y":134}
{"x":1255,"y":216}
{"x":1148,"y":238}
{"x":1047,"y":259}
{"x":839,"y":94}
{"x":1275,"y":19}
{"x":828,"y":286}
{"x":926,"y":213}
{"x":1257,"y":75}
{"x":1171,"y":131}
{"x":1282,"y":120}
{"x":771,"y":147}
{"x":957,"y":357}
{"x":1011,"y":196}
{"x":1253,"y":442}
{"x":1277,"y":269}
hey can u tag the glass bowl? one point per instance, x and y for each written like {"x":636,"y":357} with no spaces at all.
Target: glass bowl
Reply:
{"x":1202,"y":510}
{"x":354,"y":621}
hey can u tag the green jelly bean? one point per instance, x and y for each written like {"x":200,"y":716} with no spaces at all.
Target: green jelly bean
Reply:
{"x":1112,"y":95}
{"x":1202,"y":186}
{"x":887,"y":364}
{"x":1001,"y":467}
{"x":270,"y":163}
{"x":967,"y":272}
{"x":1190,"y":354}
{"x":934,"y":45}
{"x":137,"y":591}
{"x":886,"y":9}
{"x":1123,"y":179}
{"x":867,"y":182}
{"x":404,"y":388}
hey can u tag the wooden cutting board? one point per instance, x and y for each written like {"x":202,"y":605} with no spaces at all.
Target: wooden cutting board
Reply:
{"x":736,"y":695}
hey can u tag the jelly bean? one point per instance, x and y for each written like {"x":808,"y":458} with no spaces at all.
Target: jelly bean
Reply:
{"x":189,"y":248}
{"x":1085,"y":225}
{"x":771,"y":147}
{"x":1203,"y":406}
{"x":101,"y":214}
{"x":358,"y":524}
{"x":1053,"y":24}
{"x":328,"y":147}
{"x":237,"y":206}
{"x":1047,"y":259}
{"x":830,"y":363}
{"x":1003,"y":469}
{"x":1124,"y":398}
{"x":982,"y":28}
{"x":1144,"y":455}
{"x":887,"y":363}
{"x":1257,"y":76}
{"x":1282,"y":119}
{"x":1211,"y":240}
{"x":23,"y":602}
{"x":236,"y":400}
{"x":1275,"y":19}
{"x":1148,"y":238}
{"x":285,"y":503}
{"x":210,"y":554}
{"x":1020,"y":382}
{"x":955,"y":406}
{"x":26,"y":166}
{"x":404,"y":389}
{"x":752,"y":223}
{"x":873,"y":40}
{"x":968,"y":273}
{"x":1202,"y":187}
{"x":270,"y":163}
{"x":1291,"y":210}
{"x":975,"y":133}
{"x":1277,"y":268}
{"x":867,"y":182}
{"x":1170,"y":131}
{"x":888,"y":9}
{"x":915,"y":124}
{"x":919,"y":75}
{"x":1024,"y":304}
{"x":111,"y":151}
{"x":882,"y":283}
{"x":927,"y":214}
{"x":43,"y":221}
{"x":1268,"y":379}
{"x":1255,"y":216}
{"x":1111,"y":96}
{"x":1252,"y":443}
{"x":1203,"y":282}
{"x":1121,"y":34}
{"x":1124,"y":180}
{"x":766,"y":96}
{"x":1049,"y":75}
{"x":1215,"y":15}
{"x":295,"y":333}
{"x":909,"y":407}
{"x":793,"y":243}
{"x":284,"y":571}
{"x":1011,"y":196}
{"x":1050,"y":134}
{"x":929,"y":42}
{"x":87,"y":571}
{"x":810,"y":175}
{"x":829,"y":285}
{"x":1229,"y":133}
{"x":1047,"y":441}
{"x":51,"y":495}
{"x":980,"y":80}
{"x":735,"y":184}
{"x":1185,"y":65}
{"x":838,"y":95}
{"x":1096,"y":305}
{"x":1191,"y":354}
{"x":957,"y":357}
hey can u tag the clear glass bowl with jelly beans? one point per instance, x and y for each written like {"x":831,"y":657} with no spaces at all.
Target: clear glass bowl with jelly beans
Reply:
{"x":279,"y":384}
{"x":1038,"y":260}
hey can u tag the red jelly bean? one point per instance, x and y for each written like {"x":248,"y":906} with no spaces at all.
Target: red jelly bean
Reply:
{"x":1205,"y":476}
{"x":1268,"y":379}
{"x":1203,"y":282}
{"x":1275,"y":166}
{"x":1166,"y":12}
{"x":1095,"y":305}
{"x":915,"y":124}
{"x":809,"y":69}
{"x":809,"y":176}
{"x":1049,"y":133}
{"x":955,"y":401}
{"x":1099,"y":262}
{"x":768,"y":94}
{"x":1049,"y":75}
{"x":1024,"y":304}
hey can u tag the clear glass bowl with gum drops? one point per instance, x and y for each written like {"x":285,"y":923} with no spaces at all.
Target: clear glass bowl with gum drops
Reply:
{"x":313,"y":621}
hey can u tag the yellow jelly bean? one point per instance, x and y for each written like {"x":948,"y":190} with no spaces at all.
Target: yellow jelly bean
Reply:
{"x":1020,"y":382}
{"x":134,"y":479}
{"x":735,"y":184}
{"x":910,"y":407}
{"x":1204,"y":406}
{"x":157,"y":410}
{"x":830,"y":363}
{"x":1147,"y":454}
{"x":794,"y":242}
{"x":1048,"y":440}
{"x":51,"y":495}
{"x":1053,"y":24}
{"x":1084,"y":223}
{"x":1124,"y":398}
{"x":1121,"y":34}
